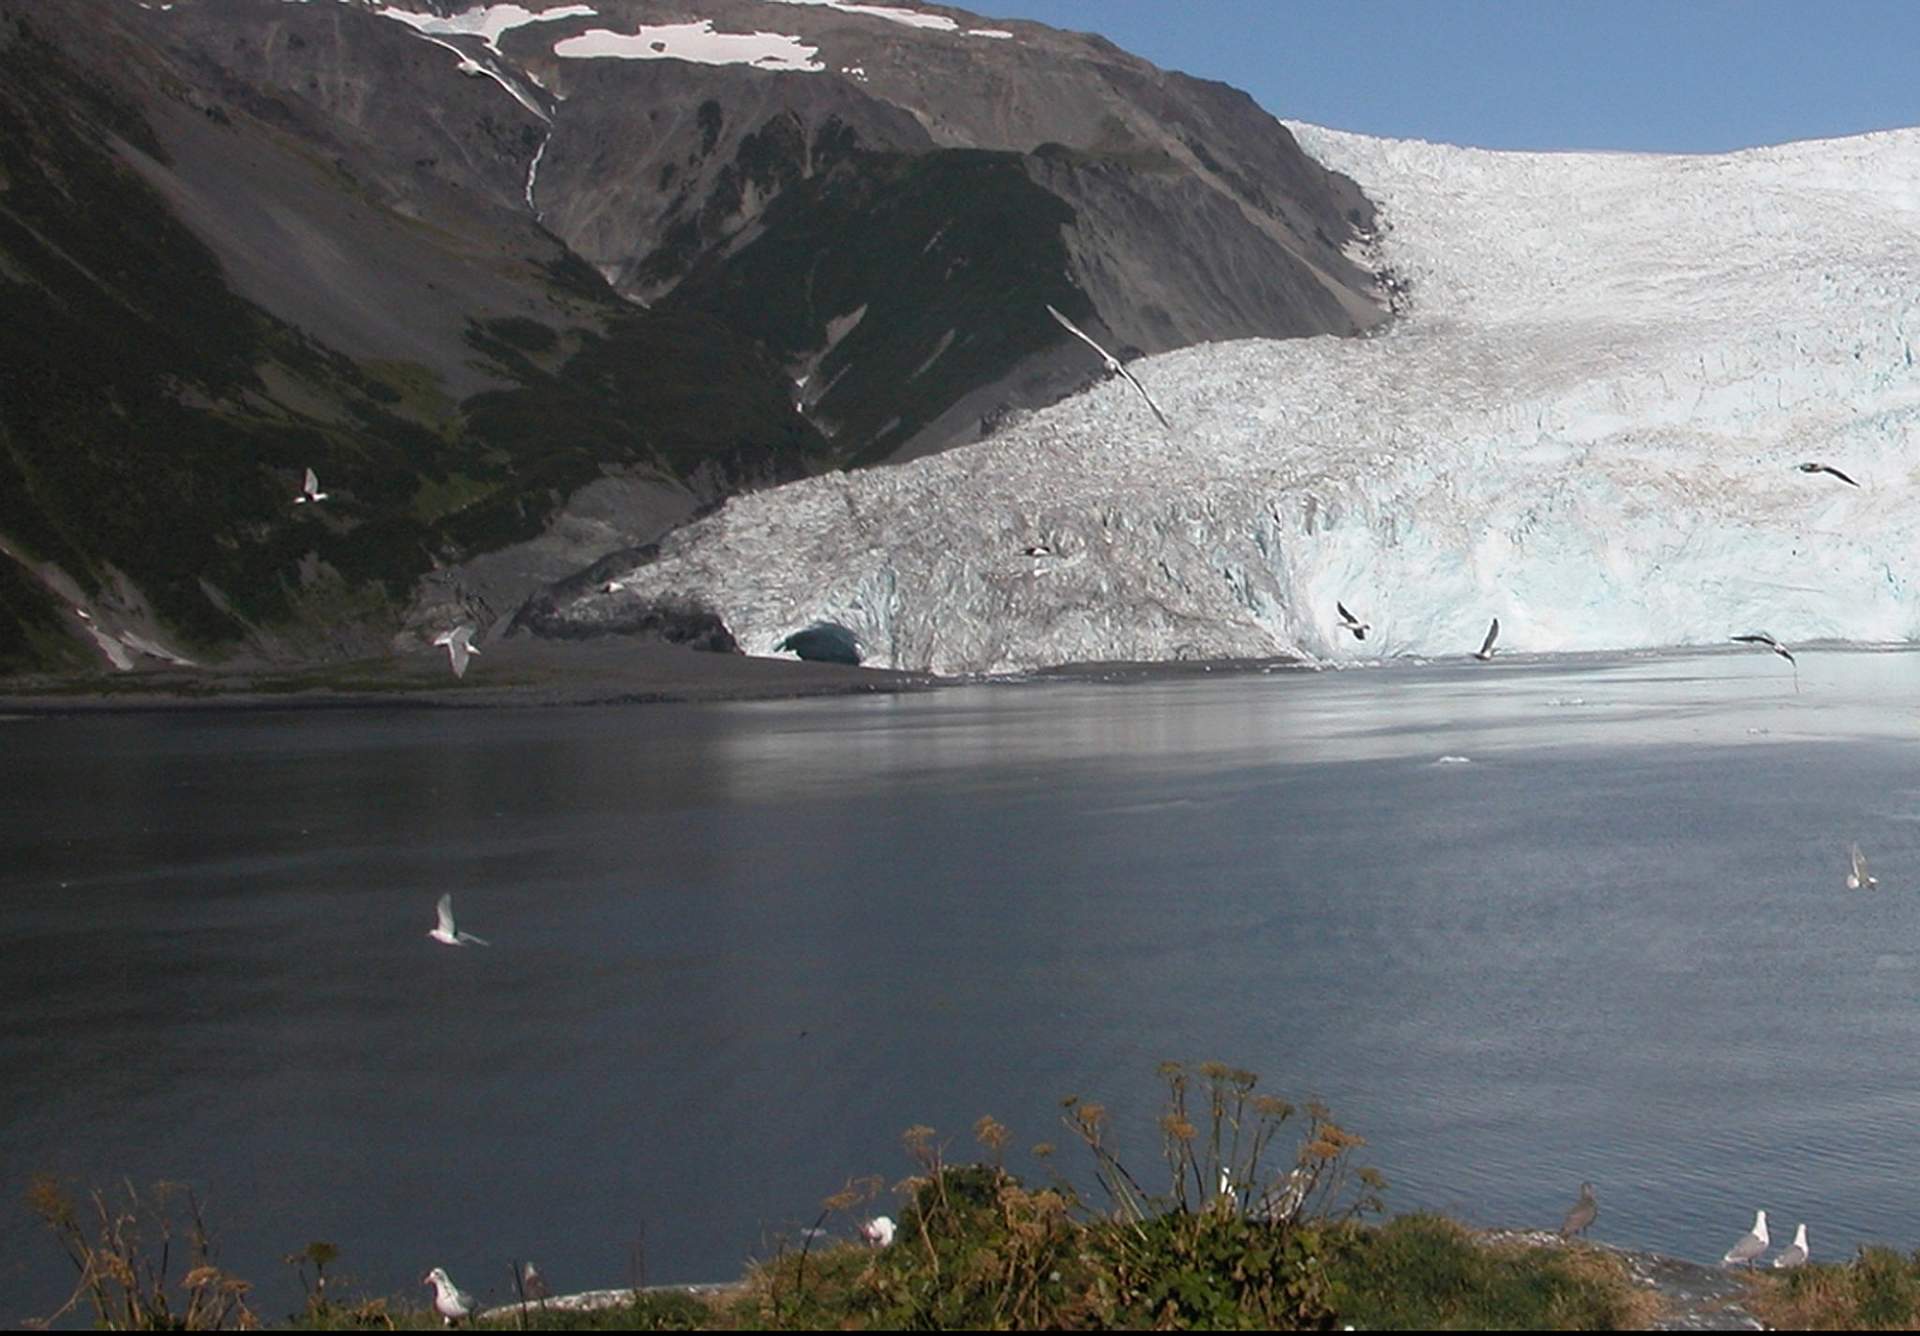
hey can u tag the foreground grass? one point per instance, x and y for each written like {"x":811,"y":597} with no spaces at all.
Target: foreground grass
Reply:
{"x":1227,"y":1244}
{"x":1878,"y":1291}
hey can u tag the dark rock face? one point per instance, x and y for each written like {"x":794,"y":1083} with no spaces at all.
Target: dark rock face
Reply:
{"x":213,"y":285}
{"x":468,"y":280}
{"x":801,"y":206}
{"x":554,"y":615}
{"x":824,"y":642}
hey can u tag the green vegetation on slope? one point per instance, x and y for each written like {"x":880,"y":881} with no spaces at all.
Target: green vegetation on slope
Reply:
{"x":976,"y":1248}
{"x":153,"y":422}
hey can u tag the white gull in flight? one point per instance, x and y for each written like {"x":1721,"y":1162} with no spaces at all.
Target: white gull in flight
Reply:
{"x":1114,"y":368}
{"x":445,"y":932}
{"x":459,"y":643}
{"x":1828,"y":468}
{"x":1858,"y":878}
{"x":310,"y":491}
{"x":1485,"y":651}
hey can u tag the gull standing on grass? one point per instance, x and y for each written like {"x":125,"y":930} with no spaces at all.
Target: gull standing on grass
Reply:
{"x":1795,"y":1253}
{"x":311,"y":491}
{"x":445,"y":932}
{"x":450,"y":1301}
{"x":459,"y":643}
{"x":1750,"y":1244}
{"x":1858,"y":878}
{"x":533,"y":1285}
{"x":1581,"y":1215}
{"x":1114,"y":368}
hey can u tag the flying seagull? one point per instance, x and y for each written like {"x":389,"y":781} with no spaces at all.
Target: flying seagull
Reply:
{"x":1795,"y":1253}
{"x":878,"y":1231}
{"x":446,"y":933}
{"x":311,"y":491}
{"x":1828,"y":468}
{"x":450,"y":1301}
{"x":1857,"y":875}
{"x":459,"y":643}
{"x":1582,"y":1213}
{"x":1750,"y":1245}
{"x":1485,"y":651}
{"x":1351,"y":622}
{"x":1113,"y":364}
{"x":1762,"y":638}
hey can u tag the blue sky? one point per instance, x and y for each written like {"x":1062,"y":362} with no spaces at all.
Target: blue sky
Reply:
{"x":1665,"y":75}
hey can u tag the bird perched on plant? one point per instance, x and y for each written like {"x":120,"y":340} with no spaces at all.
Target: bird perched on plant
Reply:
{"x":877,"y":1232}
{"x":1828,"y":468}
{"x":1750,"y":1244}
{"x":1284,"y":1197}
{"x":533,"y":1285}
{"x":449,"y":1300}
{"x":1582,"y":1213}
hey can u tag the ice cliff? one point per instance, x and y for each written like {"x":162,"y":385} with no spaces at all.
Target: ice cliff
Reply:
{"x":1587,"y":423}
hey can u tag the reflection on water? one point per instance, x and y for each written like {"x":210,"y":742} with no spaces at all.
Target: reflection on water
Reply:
{"x":739,"y":948}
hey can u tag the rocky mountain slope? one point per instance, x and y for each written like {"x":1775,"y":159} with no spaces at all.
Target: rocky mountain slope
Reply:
{"x":530,"y":284}
{"x":1590,"y":424}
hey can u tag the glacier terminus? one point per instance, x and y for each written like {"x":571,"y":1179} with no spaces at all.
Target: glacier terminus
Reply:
{"x":1588,"y":422}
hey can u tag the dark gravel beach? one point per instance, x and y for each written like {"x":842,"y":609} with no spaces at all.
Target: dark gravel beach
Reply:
{"x":508,"y":673}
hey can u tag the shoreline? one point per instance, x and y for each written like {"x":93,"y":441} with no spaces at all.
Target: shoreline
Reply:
{"x":529,"y":673}
{"x":511,"y":674}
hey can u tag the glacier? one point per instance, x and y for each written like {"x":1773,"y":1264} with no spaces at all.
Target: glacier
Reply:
{"x":1586,"y":422}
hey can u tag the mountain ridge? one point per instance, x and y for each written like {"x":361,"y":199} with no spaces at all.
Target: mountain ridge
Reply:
{"x":388,"y":229}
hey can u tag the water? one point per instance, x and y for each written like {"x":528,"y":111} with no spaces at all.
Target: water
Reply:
{"x":740,"y":948}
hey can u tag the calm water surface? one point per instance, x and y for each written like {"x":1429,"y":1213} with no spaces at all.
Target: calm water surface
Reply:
{"x":739,"y":948}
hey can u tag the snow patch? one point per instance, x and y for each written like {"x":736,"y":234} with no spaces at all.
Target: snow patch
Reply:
{"x":696,"y":42}
{"x":912,"y":18}
{"x":488,"y":23}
